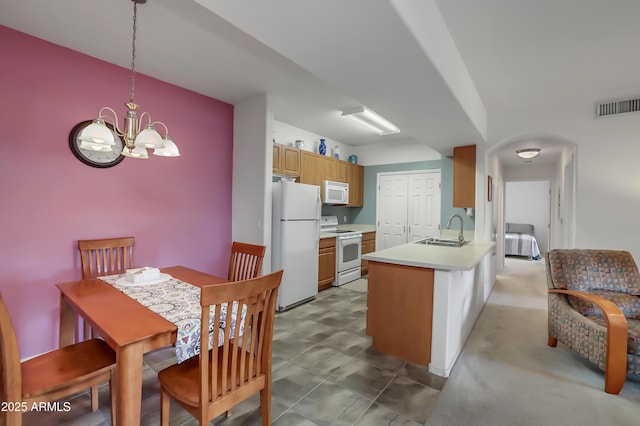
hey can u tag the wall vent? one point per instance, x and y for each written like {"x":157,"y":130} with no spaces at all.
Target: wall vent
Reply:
{"x":617,"y":107}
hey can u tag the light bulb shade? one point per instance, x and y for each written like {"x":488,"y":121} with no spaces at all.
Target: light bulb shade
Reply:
{"x":528,"y":152}
{"x":376,"y":122}
{"x":99,"y":147}
{"x":137,"y":152}
{"x":149,"y":138}
{"x":170,"y":149}
{"x":97,"y":133}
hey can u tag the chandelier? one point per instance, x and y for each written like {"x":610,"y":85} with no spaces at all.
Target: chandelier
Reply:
{"x":138,"y":137}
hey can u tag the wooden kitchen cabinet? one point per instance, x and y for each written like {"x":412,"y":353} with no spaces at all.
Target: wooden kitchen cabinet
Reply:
{"x":291,"y":161}
{"x":326,"y":263}
{"x":312,"y":168}
{"x":368,"y":246}
{"x":335,"y":170}
{"x":315,"y":168}
{"x":277,"y":158}
{"x":339,"y":170}
{"x":355,"y":178}
{"x":400,"y":311}
{"x":464,"y":176}
{"x":286,"y":160}
{"x":329,"y":168}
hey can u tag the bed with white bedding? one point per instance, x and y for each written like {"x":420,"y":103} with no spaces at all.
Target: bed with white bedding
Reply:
{"x":520,"y":240}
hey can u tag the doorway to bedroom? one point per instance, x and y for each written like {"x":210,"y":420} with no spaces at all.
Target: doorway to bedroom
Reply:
{"x":527,"y":203}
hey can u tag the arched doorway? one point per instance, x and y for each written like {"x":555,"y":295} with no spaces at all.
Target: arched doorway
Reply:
{"x":555,"y":164}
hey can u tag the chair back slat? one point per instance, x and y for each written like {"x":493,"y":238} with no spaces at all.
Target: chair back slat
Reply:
{"x":106,"y":256}
{"x":246,"y":261}
{"x":102,"y":257}
{"x":241,"y":351}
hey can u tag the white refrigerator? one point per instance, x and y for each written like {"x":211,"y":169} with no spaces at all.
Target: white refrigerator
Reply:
{"x":295,"y":236}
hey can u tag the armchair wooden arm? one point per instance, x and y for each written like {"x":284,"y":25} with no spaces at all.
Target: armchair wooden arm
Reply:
{"x":617,"y":337}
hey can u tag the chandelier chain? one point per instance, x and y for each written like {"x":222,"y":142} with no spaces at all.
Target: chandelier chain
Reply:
{"x":98,"y":137}
{"x":133,"y":51}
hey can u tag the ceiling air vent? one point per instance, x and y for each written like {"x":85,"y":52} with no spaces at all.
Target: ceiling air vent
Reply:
{"x":617,"y":107}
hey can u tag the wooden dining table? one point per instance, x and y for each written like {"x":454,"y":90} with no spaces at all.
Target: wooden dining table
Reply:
{"x":128,"y":327}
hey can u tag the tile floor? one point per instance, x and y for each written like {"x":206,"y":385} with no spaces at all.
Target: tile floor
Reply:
{"x":324,"y":373}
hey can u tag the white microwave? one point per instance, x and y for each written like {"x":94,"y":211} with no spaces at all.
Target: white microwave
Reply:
{"x":335,"y":192}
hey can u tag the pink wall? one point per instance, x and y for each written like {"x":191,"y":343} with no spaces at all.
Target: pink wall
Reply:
{"x":178,"y":210}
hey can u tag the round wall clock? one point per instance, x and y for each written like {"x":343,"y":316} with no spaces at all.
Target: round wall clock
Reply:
{"x":95,"y":158}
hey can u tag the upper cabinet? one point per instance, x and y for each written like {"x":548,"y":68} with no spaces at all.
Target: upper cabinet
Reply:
{"x":312,"y":168}
{"x":286,"y":160}
{"x":277,"y":158}
{"x":464,"y":176}
{"x":315,"y":168}
{"x":339,"y":170}
{"x":355,"y":177}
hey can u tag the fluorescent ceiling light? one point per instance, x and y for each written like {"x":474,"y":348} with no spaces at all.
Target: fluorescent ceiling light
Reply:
{"x":528,"y":152}
{"x":378,"y":124}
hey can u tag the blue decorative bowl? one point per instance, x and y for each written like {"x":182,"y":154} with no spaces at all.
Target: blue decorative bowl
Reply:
{"x":353,"y":159}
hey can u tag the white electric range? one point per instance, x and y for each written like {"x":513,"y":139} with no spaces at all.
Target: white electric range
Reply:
{"x":348,"y":251}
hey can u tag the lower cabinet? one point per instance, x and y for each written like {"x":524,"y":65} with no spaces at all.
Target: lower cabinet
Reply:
{"x":326,"y":263}
{"x":368,"y":246}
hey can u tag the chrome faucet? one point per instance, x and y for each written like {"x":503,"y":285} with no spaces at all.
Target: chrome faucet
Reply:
{"x":461,"y":236}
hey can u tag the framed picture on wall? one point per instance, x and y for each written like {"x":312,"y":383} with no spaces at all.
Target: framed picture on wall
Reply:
{"x":489,"y":188}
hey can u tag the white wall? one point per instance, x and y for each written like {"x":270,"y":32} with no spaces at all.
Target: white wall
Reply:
{"x":607,"y":154}
{"x":531,"y":171}
{"x":368,"y":155}
{"x":424,"y":20}
{"x":252,"y":168}
{"x":286,"y":134}
{"x":394,"y":152}
{"x":528,"y":202}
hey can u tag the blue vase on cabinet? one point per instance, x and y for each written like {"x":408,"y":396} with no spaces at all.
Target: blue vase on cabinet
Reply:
{"x":322,"y":149}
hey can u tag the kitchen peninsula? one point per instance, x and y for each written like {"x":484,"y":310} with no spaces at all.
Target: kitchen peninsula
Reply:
{"x":423,"y":300}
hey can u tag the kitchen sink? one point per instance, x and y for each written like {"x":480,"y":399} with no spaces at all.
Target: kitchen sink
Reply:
{"x":442,"y":242}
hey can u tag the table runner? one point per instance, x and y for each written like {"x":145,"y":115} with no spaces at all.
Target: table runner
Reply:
{"x":178,"y":302}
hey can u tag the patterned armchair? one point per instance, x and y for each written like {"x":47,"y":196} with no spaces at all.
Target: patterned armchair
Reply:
{"x":594,"y":309}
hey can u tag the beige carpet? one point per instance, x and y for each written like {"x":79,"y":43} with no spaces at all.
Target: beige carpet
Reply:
{"x":357,"y":285}
{"x":507,"y":375}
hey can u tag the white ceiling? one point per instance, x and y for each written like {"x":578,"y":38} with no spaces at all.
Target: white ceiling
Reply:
{"x":316,"y":58}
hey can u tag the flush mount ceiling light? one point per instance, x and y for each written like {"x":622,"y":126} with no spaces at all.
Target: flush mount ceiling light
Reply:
{"x":528,"y":152}
{"x":137,"y":137}
{"x":377,"y":123}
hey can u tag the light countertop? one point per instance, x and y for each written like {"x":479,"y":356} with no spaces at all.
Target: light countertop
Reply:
{"x":349,"y":227}
{"x":436,"y":257}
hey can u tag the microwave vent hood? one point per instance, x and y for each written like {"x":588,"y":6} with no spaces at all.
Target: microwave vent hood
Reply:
{"x":335,"y":192}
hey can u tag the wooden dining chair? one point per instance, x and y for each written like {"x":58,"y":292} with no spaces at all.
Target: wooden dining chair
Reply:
{"x":98,"y":258}
{"x":105,"y":257}
{"x":50,"y":376}
{"x":239,"y":365}
{"x":246,"y":261}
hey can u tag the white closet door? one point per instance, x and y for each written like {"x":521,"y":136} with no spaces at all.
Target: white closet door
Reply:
{"x":423,"y":212}
{"x":392,"y":211}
